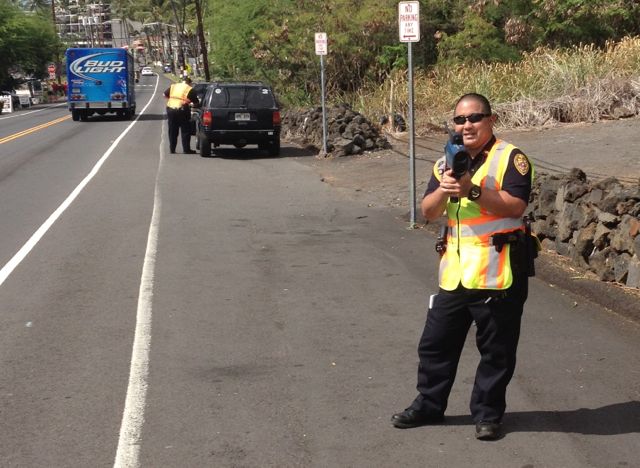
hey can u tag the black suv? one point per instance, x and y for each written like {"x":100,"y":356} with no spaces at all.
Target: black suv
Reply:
{"x":238,"y":114}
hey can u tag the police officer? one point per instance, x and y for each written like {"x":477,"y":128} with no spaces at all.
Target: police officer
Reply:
{"x":179,"y":114}
{"x":483,"y":274}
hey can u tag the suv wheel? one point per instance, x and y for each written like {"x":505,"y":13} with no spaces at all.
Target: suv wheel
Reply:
{"x":205,"y":146}
{"x":274,"y":147}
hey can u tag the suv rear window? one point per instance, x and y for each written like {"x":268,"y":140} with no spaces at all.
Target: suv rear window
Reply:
{"x":242,"y":96}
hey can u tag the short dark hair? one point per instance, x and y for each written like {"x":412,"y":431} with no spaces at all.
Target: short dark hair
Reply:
{"x":187,"y":80}
{"x":486,"y":106}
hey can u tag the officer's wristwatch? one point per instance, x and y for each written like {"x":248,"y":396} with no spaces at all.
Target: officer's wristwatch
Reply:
{"x":474,"y":192}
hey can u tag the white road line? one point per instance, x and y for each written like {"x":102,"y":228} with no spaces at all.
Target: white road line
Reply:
{"x":42,"y":230}
{"x":129,"y":442}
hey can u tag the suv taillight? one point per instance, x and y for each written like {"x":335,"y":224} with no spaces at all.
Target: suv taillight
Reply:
{"x":276,"y":118}
{"x":207,"y":118}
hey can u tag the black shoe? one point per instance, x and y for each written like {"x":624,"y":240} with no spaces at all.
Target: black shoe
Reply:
{"x":189,"y":151}
{"x":172,"y":151}
{"x":412,"y":418}
{"x":487,"y":430}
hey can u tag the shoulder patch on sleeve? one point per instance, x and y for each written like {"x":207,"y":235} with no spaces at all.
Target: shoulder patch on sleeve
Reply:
{"x":521,"y":163}
{"x":439,"y":168}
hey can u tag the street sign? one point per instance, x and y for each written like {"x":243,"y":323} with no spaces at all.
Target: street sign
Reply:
{"x":321,"y":50}
{"x":409,"y":31}
{"x":409,"y":21}
{"x":321,"y":43}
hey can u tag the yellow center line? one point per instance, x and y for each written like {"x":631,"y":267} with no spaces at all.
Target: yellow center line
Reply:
{"x":33,"y":129}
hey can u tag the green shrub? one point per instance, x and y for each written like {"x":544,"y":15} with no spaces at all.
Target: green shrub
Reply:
{"x":478,"y":41}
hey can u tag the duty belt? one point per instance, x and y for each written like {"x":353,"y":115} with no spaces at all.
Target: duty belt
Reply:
{"x":500,"y":239}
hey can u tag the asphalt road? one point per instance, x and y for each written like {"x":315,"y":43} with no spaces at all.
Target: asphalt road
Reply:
{"x":236,"y":311}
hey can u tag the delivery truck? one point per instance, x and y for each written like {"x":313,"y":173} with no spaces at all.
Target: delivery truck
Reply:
{"x":100,"y":81}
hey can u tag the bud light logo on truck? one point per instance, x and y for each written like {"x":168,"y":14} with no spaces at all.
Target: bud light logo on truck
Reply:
{"x":90,"y":64}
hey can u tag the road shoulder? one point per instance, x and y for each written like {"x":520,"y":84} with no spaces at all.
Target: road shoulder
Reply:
{"x":381,"y":179}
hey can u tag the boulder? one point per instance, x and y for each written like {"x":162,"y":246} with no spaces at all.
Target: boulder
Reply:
{"x":633,"y":275}
{"x":607,"y":219}
{"x":600,"y":264}
{"x":621,"y":239}
{"x":621,"y":267}
{"x":596,"y":225}
{"x":343,"y":123}
{"x":601,"y":236}
{"x":584,"y":241}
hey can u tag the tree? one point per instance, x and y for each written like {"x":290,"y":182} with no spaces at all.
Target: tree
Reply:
{"x":478,"y":41}
{"x":27,"y":43}
{"x":570,"y":22}
{"x":273,"y":39}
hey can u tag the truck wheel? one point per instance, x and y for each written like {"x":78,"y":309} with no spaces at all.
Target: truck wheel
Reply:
{"x":84,"y":115}
{"x":205,"y":147}
{"x":75,"y":115}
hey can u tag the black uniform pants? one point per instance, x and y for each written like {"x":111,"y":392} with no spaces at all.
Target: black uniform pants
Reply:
{"x":497,"y":315}
{"x":179,"y":121}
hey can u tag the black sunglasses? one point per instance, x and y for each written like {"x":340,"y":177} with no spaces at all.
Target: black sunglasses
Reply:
{"x":473,"y":118}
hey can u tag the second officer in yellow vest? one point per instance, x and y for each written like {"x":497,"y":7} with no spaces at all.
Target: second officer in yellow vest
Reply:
{"x":483,"y":274}
{"x":179,"y":114}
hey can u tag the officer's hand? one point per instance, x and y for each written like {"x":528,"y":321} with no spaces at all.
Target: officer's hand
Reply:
{"x":451,"y":186}
{"x":465,"y":184}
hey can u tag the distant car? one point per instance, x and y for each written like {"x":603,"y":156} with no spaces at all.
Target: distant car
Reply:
{"x":147,"y":71}
{"x":167,"y":68}
{"x":238,"y":114}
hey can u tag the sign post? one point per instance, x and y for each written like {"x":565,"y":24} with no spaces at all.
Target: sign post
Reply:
{"x":321,"y":50}
{"x":409,"y":31}
{"x":52,"y":71}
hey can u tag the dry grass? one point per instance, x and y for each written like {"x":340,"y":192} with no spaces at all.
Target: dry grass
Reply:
{"x":546,"y":88}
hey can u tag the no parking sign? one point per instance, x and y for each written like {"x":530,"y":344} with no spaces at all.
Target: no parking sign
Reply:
{"x":409,"y":21}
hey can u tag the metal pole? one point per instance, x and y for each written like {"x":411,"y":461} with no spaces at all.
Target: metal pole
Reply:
{"x":324,"y":108}
{"x":412,"y":144}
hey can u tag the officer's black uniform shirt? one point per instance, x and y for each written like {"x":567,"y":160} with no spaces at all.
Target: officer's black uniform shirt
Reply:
{"x":517,"y":178}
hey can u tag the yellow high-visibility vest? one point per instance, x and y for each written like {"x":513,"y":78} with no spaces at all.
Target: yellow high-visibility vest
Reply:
{"x":470,"y":259}
{"x":178,"y":95}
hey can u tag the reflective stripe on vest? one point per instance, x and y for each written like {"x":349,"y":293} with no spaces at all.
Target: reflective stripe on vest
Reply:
{"x":470,"y":259}
{"x":178,"y":95}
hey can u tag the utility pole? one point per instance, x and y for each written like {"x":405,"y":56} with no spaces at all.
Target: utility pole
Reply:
{"x":203,"y":44}
{"x":180,"y":35}
{"x":55,"y":30}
